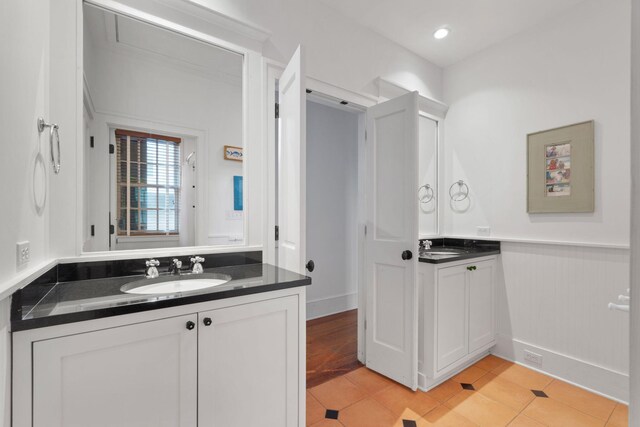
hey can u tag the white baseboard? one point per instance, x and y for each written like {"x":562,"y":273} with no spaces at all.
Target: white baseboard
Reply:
{"x":597,"y":379}
{"x":332,"y":305}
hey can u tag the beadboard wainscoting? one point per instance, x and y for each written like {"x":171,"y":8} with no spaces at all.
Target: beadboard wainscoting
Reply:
{"x":552,"y":301}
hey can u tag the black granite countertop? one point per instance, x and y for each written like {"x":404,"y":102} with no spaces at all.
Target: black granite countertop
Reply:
{"x":47,"y":303}
{"x":448,"y":250}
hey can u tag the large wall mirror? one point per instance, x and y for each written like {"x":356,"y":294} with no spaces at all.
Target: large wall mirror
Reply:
{"x":428,"y":177}
{"x":163,"y":150}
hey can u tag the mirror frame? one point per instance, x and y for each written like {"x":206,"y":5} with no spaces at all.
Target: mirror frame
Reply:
{"x":165,"y":24}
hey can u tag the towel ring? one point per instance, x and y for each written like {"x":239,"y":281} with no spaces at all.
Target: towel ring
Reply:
{"x":460,"y":195}
{"x":53,"y":130}
{"x":427,"y":196}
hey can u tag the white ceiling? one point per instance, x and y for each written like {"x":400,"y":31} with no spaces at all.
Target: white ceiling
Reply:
{"x":474,"y":24}
{"x":105,"y":30}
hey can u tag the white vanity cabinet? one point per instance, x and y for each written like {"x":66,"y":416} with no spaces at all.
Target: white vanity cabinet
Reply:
{"x":232,"y":362}
{"x":457,"y":322}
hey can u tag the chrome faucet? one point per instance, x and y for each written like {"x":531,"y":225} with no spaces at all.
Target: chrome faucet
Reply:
{"x":175,"y":266}
{"x":425,"y":245}
{"x":196,"y":265}
{"x":152,"y":268}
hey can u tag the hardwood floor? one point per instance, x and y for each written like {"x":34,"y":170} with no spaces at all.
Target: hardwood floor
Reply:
{"x":332,"y":346}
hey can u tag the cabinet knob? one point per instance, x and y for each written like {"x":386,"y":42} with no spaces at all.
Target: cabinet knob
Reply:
{"x":311,"y":266}
{"x":207,"y":321}
{"x":190,"y":325}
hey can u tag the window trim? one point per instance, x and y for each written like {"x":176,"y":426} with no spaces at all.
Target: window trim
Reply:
{"x":141,"y":234}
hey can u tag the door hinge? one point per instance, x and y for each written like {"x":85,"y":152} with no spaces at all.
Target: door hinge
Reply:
{"x":365,"y":230}
{"x":277,"y":235}
{"x":91,"y":142}
{"x":112,"y":148}
{"x":365,"y":324}
{"x":365,"y":134}
{"x":112,"y":229}
{"x":277,"y":110}
{"x":93,"y":230}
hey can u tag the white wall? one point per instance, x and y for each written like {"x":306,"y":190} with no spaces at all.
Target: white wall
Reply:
{"x":124,"y":87}
{"x":562,"y":72}
{"x":332,"y":187}
{"x":634,"y":404}
{"x":553,"y":298}
{"x":24,"y":85}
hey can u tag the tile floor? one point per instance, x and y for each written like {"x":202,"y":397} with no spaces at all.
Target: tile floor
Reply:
{"x":493,"y":393}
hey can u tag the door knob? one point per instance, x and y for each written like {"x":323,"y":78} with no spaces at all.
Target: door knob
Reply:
{"x":407,"y":255}
{"x":207,"y":321}
{"x":311,"y":266}
{"x":190,"y":325}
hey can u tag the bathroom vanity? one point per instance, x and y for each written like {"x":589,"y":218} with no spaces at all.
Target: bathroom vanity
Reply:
{"x":87,"y":353}
{"x":457,"y":323}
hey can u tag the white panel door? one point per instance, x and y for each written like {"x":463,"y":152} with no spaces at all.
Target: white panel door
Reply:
{"x":451,"y":315}
{"x":248,"y":365}
{"x":392,"y":231}
{"x":142,"y":375}
{"x":481,"y":305}
{"x":292,"y":171}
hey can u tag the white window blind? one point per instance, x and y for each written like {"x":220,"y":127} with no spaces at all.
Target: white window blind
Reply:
{"x":148,"y":183}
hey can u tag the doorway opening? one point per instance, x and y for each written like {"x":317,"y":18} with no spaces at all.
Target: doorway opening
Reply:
{"x":333,"y":134}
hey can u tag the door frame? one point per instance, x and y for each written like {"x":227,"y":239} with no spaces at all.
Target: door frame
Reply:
{"x":271,"y":73}
{"x":429,"y":108}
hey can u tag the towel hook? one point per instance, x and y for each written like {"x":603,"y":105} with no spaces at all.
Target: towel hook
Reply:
{"x":460,"y":195}
{"x":53,"y":130}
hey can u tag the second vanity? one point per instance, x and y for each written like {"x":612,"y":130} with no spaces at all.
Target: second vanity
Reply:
{"x":457,"y":291}
{"x":85,"y":353}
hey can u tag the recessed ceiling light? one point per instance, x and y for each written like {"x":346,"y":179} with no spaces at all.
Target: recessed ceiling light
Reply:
{"x":441,"y":33}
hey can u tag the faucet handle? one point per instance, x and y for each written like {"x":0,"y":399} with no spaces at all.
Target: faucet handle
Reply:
{"x":152,"y":263}
{"x":197,"y":259}
{"x":177,"y":263}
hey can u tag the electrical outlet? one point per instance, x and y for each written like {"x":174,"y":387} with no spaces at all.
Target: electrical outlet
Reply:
{"x":533,"y":358}
{"x":483,"y":231}
{"x":22,"y":253}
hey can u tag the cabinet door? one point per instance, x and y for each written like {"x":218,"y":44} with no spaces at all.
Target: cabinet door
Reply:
{"x":452,"y":321}
{"x":138,"y":375}
{"x":481,"y":305}
{"x":248,"y":365}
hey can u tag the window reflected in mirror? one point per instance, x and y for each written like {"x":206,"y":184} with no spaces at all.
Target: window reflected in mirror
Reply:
{"x":163,"y":159}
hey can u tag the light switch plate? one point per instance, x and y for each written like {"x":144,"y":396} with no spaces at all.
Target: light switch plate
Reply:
{"x":23,"y":254}
{"x":483,"y":231}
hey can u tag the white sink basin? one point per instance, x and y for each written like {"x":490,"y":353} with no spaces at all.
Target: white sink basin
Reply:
{"x":173,"y":286}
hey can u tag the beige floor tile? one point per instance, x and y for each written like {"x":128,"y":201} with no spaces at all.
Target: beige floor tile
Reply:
{"x":480,"y":409}
{"x":368,"y":380}
{"x":619,"y":417}
{"x":522,"y":376}
{"x":556,"y":414}
{"x":408,"y":414}
{"x":398,"y":398}
{"x":580,"y":399}
{"x":315,"y":411}
{"x":445,"y":391}
{"x":328,"y":423}
{"x":338,"y":393}
{"x":443,"y":416}
{"x":524,"y":421}
{"x":366,"y":413}
{"x":503,"y":391}
{"x":469,"y":375}
{"x":490,"y":362}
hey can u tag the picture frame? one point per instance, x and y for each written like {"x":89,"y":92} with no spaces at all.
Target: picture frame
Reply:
{"x":233,"y":153}
{"x":560,"y":169}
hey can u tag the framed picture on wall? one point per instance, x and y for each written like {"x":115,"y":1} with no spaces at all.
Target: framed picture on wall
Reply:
{"x":233,"y":153}
{"x":560,"y":169}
